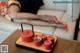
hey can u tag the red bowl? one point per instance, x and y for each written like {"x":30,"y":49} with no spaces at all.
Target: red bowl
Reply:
{"x":37,"y":41}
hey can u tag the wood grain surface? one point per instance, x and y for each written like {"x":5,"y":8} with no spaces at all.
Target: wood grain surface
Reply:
{"x":62,"y":46}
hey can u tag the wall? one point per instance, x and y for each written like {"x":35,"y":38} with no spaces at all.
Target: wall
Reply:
{"x":68,"y":9}
{"x":51,"y":4}
{"x":76,"y":9}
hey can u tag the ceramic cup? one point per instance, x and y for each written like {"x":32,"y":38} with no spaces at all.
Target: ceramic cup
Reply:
{"x":37,"y":41}
{"x":47,"y":44}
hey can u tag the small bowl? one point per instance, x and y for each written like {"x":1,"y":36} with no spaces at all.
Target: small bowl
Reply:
{"x":37,"y":41}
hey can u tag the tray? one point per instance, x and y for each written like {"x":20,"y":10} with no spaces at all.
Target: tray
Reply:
{"x":31,"y":45}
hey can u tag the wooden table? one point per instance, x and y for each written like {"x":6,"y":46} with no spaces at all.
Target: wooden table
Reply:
{"x":62,"y":46}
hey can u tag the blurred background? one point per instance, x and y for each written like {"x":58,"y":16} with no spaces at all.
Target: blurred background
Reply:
{"x":66,"y":10}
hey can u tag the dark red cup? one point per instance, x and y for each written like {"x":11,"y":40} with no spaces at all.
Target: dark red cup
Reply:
{"x":47,"y":44}
{"x":44,"y":37}
{"x":51,"y":38}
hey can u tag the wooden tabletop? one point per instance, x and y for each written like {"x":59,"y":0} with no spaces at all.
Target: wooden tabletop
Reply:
{"x":62,"y":46}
